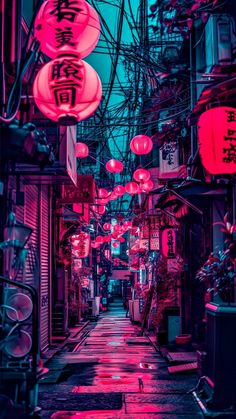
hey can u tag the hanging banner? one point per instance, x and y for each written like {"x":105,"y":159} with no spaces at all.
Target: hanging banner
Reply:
{"x":168,"y":243}
{"x":155,"y":239}
{"x":169,"y":160}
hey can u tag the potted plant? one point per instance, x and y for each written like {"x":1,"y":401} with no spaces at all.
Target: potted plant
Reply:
{"x":219,"y":272}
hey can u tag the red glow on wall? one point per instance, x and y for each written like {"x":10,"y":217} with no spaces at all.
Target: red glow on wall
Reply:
{"x":132,"y":188}
{"x":141,"y":144}
{"x":217,"y":140}
{"x":72,"y":27}
{"x":67,"y":90}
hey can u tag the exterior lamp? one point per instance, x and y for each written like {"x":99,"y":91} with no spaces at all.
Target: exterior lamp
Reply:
{"x":81,"y":150}
{"x":141,"y":144}
{"x":114,"y":166}
{"x":141,"y":175}
{"x":146,"y":186}
{"x":132,"y":188}
{"x":119,"y":190}
{"x":15,"y":234}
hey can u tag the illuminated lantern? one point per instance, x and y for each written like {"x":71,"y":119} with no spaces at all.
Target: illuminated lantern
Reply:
{"x":121,"y":239}
{"x":115,"y":245}
{"x":113,"y":197}
{"x":141,"y":175}
{"x":132,"y":188}
{"x":127,"y":224}
{"x":103,"y":193}
{"x":81,"y":150}
{"x":101,"y":209}
{"x":116,"y":228}
{"x":70,"y":26}
{"x":81,"y":244}
{"x":114,"y":166}
{"x":67,"y":90}
{"x":168,"y":243}
{"x":99,"y":239}
{"x":107,"y":226}
{"x":141,"y":144}
{"x":217,"y":140}
{"x":146,"y":186}
{"x":119,"y":190}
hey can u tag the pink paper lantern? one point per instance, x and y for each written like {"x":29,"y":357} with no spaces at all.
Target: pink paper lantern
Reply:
{"x":103,"y":193}
{"x":119,"y":190}
{"x":81,"y":150}
{"x":114,"y":166}
{"x":132,"y":188}
{"x":67,"y":90}
{"x":141,"y":144}
{"x":115,"y":245}
{"x":107,"y":226}
{"x":141,"y":175}
{"x":73,"y":27}
{"x":146,"y":186}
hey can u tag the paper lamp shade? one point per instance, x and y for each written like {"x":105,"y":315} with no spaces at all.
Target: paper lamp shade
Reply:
{"x":67,"y":90}
{"x":71,"y":26}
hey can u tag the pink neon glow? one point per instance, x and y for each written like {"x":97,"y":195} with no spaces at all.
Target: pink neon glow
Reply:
{"x":141,"y":144}
{"x":82,"y":29}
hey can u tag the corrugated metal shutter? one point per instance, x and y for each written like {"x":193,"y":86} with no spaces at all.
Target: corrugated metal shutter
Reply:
{"x":32,"y":220}
{"x":44,"y":266}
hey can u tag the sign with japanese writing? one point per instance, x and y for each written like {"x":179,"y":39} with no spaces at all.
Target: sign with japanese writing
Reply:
{"x":155,"y":239}
{"x":217,"y":140}
{"x":168,"y":243}
{"x":67,"y":151}
{"x":169,"y":160}
{"x":81,"y":245}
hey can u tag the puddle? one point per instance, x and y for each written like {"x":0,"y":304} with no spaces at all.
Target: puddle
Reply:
{"x":144,"y":365}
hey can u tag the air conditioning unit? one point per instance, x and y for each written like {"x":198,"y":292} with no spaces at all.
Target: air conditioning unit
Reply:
{"x":220,"y":42}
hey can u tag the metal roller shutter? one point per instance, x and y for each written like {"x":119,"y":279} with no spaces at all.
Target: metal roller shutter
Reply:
{"x":44,"y":266}
{"x":32,"y":220}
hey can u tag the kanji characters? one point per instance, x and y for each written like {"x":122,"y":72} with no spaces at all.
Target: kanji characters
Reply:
{"x":65,"y":10}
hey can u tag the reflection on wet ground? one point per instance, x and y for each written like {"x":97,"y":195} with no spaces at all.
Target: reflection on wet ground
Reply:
{"x":114,"y":373}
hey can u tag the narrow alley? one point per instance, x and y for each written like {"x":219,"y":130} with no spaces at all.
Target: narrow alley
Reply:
{"x":110,"y":371}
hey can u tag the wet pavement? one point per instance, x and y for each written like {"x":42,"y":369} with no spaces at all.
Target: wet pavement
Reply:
{"x":109,"y":371}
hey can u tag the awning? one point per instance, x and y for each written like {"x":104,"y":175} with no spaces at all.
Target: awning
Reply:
{"x":222,"y":91}
{"x":175,"y":201}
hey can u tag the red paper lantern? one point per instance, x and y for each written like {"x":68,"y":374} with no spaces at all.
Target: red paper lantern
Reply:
{"x":67,"y":90}
{"x":114,"y":166}
{"x":141,"y":144}
{"x":141,"y":175}
{"x":113,"y":196}
{"x":101,"y":209}
{"x":217,"y":140}
{"x":119,"y":190}
{"x":116,"y":228}
{"x":132,"y":188}
{"x":115,"y":245}
{"x":107,"y":226}
{"x":81,"y":150}
{"x":103,"y":193}
{"x":146,"y":186}
{"x":71,"y":26}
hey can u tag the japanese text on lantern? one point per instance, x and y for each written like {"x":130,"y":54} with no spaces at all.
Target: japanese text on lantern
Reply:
{"x":230,"y":138}
{"x":66,"y":79}
{"x":65,"y":10}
